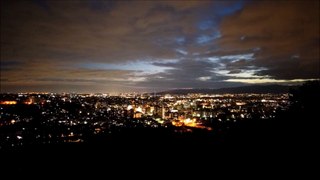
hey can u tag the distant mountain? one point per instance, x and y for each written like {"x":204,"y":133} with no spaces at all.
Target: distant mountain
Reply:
{"x":258,"y":89}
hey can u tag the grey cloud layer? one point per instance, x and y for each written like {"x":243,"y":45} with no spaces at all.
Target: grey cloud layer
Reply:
{"x":43,"y":44}
{"x":72,"y":31}
{"x":285,"y":33}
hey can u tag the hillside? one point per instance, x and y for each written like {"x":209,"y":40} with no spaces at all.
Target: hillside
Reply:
{"x":259,"y":89}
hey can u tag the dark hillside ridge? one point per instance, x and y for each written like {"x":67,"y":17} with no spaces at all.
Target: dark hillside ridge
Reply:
{"x":258,"y":89}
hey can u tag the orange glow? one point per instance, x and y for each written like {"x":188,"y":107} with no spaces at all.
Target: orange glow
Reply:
{"x":177,"y":123}
{"x":8,"y":102}
{"x":209,"y":128}
{"x":75,"y":140}
{"x":28,"y":102}
{"x":97,"y":130}
{"x":189,"y":123}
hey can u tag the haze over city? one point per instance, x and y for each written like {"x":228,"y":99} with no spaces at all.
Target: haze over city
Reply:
{"x":146,"y":46}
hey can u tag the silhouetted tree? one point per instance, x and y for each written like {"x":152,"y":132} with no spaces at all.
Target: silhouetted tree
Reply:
{"x":305,"y":100}
{"x":303,"y":114}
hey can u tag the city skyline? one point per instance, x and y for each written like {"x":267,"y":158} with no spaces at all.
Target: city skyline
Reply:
{"x":144,"y":46}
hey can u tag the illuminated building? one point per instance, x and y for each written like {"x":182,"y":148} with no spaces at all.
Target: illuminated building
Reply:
{"x":137,"y":115}
{"x":8,"y":102}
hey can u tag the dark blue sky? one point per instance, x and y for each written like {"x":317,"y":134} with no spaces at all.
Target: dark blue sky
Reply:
{"x":112,"y":46}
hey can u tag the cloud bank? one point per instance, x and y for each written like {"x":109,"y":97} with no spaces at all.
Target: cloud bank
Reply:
{"x":112,"y":46}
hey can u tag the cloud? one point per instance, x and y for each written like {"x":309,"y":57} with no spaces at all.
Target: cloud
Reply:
{"x":124,"y":45}
{"x":255,"y":81}
{"x":275,"y":32}
{"x":60,"y":79}
{"x":186,"y":73}
{"x":72,"y":31}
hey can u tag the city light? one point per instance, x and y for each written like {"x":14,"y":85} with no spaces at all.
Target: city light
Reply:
{"x":8,"y":102}
{"x":77,"y":116}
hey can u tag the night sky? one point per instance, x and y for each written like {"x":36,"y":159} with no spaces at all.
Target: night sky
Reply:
{"x":146,"y":46}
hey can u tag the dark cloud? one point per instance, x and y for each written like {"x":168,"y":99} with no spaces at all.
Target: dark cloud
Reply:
{"x":145,"y":45}
{"x":280,"y":30}
{"x":186,"y":73}
{"x":71,"y":31}
{"x":235,"y":71}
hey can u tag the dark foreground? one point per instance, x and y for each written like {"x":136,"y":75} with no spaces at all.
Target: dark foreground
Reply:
{"x":259,"y":147}
{"x":281,"y":148}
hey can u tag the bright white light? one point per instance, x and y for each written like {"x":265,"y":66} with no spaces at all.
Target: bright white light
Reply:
{"x":146,"y":66}
{"x":129,"y":107}
{"x":188,"y":120}
{"x":138,"y":109}
{"x":204,"y":78}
